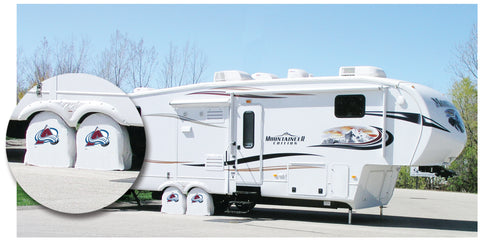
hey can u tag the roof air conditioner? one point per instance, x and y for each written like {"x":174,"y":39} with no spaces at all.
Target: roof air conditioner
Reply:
{"x":297,"y":73}
{"x":232,"y":75}
{"x":366,"y":71}
{"x":264,"y":76}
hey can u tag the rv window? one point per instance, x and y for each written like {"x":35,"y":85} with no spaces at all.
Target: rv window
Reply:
{"x":248,"y":129}
{"x":349,"y":106}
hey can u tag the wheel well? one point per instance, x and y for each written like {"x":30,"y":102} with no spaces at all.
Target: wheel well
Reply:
{"x":86,"y":115}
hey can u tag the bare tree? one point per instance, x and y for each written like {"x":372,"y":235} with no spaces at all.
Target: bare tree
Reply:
{"x":466,"y":62}
{"x":183,"y":67}
{"x":70,"y":58}
{"x":113,"y":62}
{"x":42,"y":64}
{"x":169,"y":67}
{"x":198,"y":64}
{"x":143,"y":61}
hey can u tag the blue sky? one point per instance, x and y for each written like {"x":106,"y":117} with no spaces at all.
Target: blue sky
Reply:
{"x":410,"y":42}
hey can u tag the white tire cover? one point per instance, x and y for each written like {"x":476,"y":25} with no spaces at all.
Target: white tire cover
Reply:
{"x":173,"y":201}
{"x":102,"y":144}
{"x":199,"y":202}
{"x":49,"y":142}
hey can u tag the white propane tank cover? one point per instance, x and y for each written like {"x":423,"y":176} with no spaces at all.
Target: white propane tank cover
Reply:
{"x":231,"y":75}
{"x":49,"y":142}
{"x":102,"y":144}
{"x":297,"y":73}
{"x":367,"y":71}
{"x":264,"y":76}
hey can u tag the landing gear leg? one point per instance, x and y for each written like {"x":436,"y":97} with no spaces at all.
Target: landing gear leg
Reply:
{"x":136,"y":197}
{"x":350,"y":216}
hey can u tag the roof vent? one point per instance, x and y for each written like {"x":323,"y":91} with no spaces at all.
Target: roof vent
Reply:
{"x":231,"y":75}
{"x":297,"y":73}
{"x":264,"y":76}
{"x":366,"y":71}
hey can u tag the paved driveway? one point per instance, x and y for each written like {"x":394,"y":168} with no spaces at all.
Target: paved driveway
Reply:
{"x":72,"y":190}
{"x":411,"y":213}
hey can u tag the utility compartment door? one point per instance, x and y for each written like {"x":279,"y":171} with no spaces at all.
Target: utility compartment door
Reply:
{"x":307,"y":179}
{"x":249,"y":160}
{"x":339,"y":181}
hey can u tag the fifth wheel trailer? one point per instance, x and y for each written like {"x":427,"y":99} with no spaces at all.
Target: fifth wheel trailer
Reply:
{"x":333,"y":142}
{"x":243,"y":139}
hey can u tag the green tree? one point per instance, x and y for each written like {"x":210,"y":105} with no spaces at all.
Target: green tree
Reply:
{"x":464,"y":97}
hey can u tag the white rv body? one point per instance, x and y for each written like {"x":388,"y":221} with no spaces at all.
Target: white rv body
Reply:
{"x":295,"y":149}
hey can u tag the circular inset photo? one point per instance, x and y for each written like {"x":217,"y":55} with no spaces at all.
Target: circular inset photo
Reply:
{"x":75,"y":143}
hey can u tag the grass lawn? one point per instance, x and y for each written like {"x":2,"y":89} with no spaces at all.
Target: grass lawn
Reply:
{"x":23,"y":199}
{"x":142,"y":195}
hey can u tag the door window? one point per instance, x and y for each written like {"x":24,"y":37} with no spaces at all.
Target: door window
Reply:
{"x":248,"y":129}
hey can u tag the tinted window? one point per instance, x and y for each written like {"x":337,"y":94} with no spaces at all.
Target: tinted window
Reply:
{"x":248,"y":129}
{"x":349,"y":106}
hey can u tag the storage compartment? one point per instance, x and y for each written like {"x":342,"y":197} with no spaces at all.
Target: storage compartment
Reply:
{"x":307,"y":179}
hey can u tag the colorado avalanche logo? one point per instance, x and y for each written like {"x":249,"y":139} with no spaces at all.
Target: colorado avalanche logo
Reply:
{"x":172,"y":198}
{"x":47,"y":135}
{"x":197,"y":198}
{"x":98,"y":136}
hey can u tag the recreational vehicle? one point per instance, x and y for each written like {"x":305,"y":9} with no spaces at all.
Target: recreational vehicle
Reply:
{"x":335,"y":142}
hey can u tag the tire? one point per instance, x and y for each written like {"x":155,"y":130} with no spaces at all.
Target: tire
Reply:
{"x":173,"y":201}
{"x":199,"y":202}
{"x":50,"y":142}
{"x":102,"y":144}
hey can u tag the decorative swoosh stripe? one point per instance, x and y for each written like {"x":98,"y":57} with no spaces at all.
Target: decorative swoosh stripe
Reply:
{"x":431,"y":123}
{"x":224,"y":93}
{"x":272,"y":168}
{"x":405,"y":116}
{"x":257,"y":158}
{"x":267,"y":156}
{"x":410,"y":117}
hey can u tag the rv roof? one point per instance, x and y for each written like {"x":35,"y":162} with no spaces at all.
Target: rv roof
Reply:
{"x":332,"y":81}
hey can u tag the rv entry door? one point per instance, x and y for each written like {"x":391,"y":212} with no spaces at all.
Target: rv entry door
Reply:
{"x":249,"y":159}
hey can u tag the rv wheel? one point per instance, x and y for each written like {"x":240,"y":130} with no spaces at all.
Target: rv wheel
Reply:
{"x":245,"y":206}
{"x":173,"y":201}
{"x":50,"y":142}
{"x":199,"y":202}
